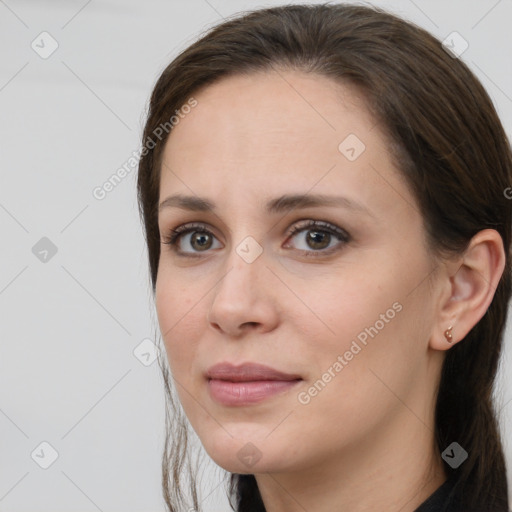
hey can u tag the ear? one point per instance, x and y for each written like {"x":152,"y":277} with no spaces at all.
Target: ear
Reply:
{"x":468,"y":288}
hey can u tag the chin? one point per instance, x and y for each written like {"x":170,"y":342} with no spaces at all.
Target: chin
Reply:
{"x":240,"y":455}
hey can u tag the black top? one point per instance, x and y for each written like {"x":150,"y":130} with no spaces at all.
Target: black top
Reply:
{"x":442,"y":500}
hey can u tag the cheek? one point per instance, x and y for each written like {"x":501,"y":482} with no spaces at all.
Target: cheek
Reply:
{"x":345,"y":382}
{"x":178,"y":312}
{"x":352,"y":301}
{"x":367,"y":316}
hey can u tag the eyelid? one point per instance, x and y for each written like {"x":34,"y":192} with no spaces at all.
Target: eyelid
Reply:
{"x":321,"y":225}
{"x":174,"y":236}
{"x":305,"y":225}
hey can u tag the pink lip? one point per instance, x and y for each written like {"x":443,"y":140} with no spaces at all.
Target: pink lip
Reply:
{"x":247,"y":383}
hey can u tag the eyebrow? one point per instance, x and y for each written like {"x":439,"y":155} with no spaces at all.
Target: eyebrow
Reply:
{"x":277,"y":205}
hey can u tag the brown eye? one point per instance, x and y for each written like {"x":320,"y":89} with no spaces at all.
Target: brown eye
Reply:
{"x":318,"y":239}
{"x":200,"y":240}
{"x":196,"y":236}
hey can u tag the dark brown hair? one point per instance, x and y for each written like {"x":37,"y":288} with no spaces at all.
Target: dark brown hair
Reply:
{"x":448,"y":143}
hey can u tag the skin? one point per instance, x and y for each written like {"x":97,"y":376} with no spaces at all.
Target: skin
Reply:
{"x":366,"y":440}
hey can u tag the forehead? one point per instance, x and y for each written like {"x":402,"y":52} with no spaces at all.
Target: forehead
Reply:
{"x":268,"y":131}
{"x":277,"y":107}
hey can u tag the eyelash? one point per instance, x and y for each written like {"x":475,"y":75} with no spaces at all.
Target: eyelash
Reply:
{"x":174,"y":235}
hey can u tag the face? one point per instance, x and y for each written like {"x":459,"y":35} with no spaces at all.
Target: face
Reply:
{"x":336,"y":294}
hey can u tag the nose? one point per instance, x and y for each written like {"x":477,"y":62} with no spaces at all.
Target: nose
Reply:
{"x":243,"y":298}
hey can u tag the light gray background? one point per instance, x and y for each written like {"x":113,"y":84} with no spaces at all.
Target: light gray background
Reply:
{"x":69,"y":326}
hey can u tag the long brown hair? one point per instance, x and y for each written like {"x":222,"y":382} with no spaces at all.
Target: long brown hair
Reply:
{"x":448,"y":143}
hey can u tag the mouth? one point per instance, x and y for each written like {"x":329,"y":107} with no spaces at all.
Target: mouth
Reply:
{"x":249,"y":383}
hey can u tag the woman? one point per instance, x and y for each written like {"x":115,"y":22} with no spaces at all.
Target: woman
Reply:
{"x":323,"y":192}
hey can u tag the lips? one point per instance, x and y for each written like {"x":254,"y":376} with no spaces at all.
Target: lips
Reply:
{"x":247,"y":384}
{"x":248,"y":372}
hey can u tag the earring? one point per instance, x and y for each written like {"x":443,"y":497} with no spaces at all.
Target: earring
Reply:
{"x":448,"y":334}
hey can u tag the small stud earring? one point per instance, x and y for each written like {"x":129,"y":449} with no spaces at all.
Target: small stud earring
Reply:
{"x":448,"y":334}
